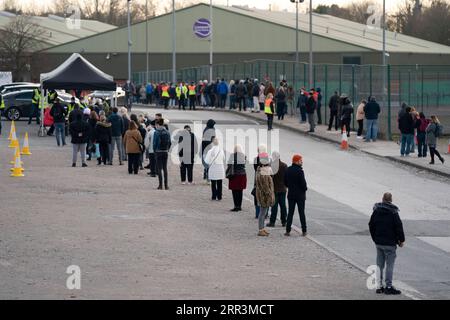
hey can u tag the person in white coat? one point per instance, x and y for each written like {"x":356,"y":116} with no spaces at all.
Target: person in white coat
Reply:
{"x":215,"y":160}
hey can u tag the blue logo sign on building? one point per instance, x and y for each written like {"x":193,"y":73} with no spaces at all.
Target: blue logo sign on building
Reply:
{"x":202,"y":28}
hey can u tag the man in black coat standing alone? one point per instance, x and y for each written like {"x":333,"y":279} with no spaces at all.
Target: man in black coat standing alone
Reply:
{"x":386,"y":230}
{"x":294,"y":180}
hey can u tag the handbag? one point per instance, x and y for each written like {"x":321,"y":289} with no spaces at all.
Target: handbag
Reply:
{"x":141,"y":145}
{"x":229,"y":174}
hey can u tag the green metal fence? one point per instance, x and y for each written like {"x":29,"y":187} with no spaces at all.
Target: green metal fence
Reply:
{"x":424,"y":86}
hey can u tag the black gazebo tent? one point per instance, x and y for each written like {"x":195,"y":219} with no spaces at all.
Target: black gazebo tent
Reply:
{"x":76,"y":73}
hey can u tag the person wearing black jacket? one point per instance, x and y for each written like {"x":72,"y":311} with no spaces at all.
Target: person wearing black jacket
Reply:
{"x":310,"y":109}
{"x":334,"y":106}
{"x":346,"y":114}
{"x":59,"y":113}
{"x":386,"y":230}
{"x":294,"y":180}
{"x":79,"y":130}
{"x":406,"y":126}
{"x":209,"y":133}
{"x":188,"y":147}
{"x":117,"y":131}
{"x":103,"y":136}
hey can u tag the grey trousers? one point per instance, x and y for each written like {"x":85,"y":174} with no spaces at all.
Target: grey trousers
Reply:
{"x":262,"y":216}
{"x":81,"y":148}
{"x":386,"y":256}
{"x":116,"y":141}
{"x":311,"y":121}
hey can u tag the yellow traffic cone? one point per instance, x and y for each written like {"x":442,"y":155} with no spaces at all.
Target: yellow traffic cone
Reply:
{"x":16,"y":154}
{"x":13,"y":129}
{"x":17,"y":171}
{"x":26,"y":146}
{"x":14,"y":142}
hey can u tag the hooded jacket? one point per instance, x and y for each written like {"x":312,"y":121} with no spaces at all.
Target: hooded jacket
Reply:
{"x":385,"y":226}
{"x":208,"y":135}
{"x":265,"y":195}
{"x":79,"y":130}
{"x":103,"y":132}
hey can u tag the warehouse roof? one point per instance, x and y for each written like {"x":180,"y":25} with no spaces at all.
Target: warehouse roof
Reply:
{"x":344,"y":30}
{"x":349,"y":34}
{"x":55,"y":29}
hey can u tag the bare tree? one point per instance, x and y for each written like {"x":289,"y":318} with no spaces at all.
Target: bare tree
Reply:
{"x":18,"y":40}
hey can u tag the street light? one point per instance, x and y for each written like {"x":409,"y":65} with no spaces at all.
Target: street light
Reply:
{"x":211,"y":42}
{"x":310,"y":46}
{"x":129,"y":40}
{"x":296,"y":51}
{"x":146,"y":40}
{"x":174,"y":44}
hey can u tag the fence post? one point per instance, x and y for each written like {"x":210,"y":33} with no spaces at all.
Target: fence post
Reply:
{"x":389,"y":101}
{"x":437,"y":94}
{"x":326,"y":93}
{"x":314,"y":76}
{"x":422,"y":89}
{"x":304,"y":75}
{"x":353,"y":93}
{"x":340,"y":79}
{"x":370,"y":80}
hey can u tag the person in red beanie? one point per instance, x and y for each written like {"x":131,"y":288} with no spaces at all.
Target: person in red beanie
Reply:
{"x":294,"y":179}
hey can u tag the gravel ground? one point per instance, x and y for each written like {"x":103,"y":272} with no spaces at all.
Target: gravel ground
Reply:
{"x":134,"y":242}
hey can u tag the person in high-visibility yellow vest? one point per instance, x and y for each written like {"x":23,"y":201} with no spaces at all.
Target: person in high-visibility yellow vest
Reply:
{"x":35,"y":106}
{"x":181,"y":92}
{"x":192,"y":95}
{"x":269,"y":110}
{"x":2,"y":110}
{"x":165,"y":95}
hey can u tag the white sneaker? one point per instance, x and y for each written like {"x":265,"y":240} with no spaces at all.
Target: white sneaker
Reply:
{"x":183,"y":183}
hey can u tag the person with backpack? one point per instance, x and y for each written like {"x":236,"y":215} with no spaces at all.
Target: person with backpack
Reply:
{"x":161,"y":147}
{"x":265,"y":194}
{"x":421,"y":127}
{"x":79,"y":131}
{"x":59,"y":113}
{"x":117,"y":130}
{"x":241,"y":92}
{"x":386,"y":230}
{"x":434,"y":131}
{"x":279,"y":170}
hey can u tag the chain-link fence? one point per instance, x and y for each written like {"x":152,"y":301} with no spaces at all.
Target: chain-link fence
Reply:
{"x":423,"y":86}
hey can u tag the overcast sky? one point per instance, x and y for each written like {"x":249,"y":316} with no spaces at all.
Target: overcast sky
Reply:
{"x":263,"y":4}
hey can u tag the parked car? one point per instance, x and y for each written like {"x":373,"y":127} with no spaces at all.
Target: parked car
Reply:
{"x":13,"y":84}
{"x":18,"y":103}
{"x":20,"y":87}
{"x":106,"y":95}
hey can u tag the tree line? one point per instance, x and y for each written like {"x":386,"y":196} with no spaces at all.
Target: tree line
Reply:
{"x":429,"y":20}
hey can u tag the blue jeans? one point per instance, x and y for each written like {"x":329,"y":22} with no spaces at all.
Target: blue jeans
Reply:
{"x":421,"y":144}
{"x":386,"y":260}
{"x":407,"y":140}
{"x":372,"y":129}
{"x":60,"y":133}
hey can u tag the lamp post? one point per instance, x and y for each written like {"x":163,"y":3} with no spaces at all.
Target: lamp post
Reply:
{"x":174,"y":44}
{"x":310,"y":47}
{"x":146,"y":40}
{"x":211,"y":42}
{"x":129,"y":40}
{"x":297,"y":58}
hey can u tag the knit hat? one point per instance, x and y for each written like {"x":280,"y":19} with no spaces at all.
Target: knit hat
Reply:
{"x":296,"y":158}
{"x":264,"y":158}
{"x":87,"y":111}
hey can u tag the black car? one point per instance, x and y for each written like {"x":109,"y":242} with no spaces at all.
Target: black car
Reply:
{"x":18,"y":104}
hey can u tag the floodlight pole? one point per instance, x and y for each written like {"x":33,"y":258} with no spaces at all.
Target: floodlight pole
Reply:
{"x":310,"y":46}
{"x":211,"y":42}
{"x":129,"y":40}
{"x":146,"y":40}
{"x":174,"y":44}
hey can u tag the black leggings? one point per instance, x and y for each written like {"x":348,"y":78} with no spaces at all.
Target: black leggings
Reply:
{"x":433,"y":152}
{"x":216,"y":189}
{"x":133,"y":162}
{"x":104,"y":152}
{"x":237,"y":198}
{"x":161,"y":167}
